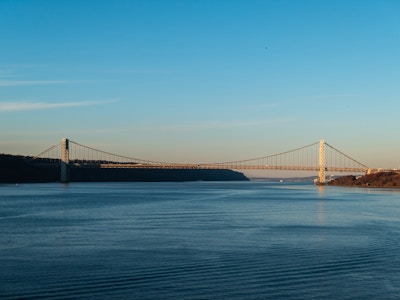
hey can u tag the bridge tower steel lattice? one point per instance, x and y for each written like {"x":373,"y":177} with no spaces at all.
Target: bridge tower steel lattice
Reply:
{"x":321,"y":173}
{"x":64,"y":176}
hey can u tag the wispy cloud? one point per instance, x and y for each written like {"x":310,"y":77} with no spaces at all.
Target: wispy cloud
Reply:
{"x":6,"y":74}
{"x":5,"y":83}
{"x":23,"y":106}
{"x":141,"y":71}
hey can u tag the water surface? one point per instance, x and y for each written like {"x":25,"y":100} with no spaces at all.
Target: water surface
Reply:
{"x":198,"y":240}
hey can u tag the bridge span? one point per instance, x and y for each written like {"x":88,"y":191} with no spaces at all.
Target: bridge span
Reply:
{"x":230,"y":167}
{"x":318,"y":157}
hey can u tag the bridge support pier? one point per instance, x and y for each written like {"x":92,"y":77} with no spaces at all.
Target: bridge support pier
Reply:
{"x":321,"y":173}
{"x":64,"y":176}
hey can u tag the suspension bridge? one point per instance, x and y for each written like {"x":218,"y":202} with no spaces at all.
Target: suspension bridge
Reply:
{"x":319,"y":157}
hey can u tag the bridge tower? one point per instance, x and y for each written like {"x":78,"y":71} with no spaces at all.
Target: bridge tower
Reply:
{"x":321,"y":162}
{"x":64,"y":178}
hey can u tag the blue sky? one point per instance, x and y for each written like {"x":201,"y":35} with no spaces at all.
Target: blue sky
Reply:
{"x":201,"y":81}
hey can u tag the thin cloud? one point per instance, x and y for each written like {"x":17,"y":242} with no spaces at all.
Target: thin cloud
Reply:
{"x":5,"y":74}
{"x":141,"y":71}
{"x":24,"y":106}
{"x":5,"y":83}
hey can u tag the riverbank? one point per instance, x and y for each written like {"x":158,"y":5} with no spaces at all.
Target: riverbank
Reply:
{"x":376,"y":180}
{"x":18,"y":169}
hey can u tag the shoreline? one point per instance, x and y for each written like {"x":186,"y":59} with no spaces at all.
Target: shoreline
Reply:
{"x":17,"y":169}
{"x":376,"y":180}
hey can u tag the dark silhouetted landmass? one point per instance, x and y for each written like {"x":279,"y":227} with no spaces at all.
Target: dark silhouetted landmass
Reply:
{"x":376,"y":180}
{"x":18,"y":169}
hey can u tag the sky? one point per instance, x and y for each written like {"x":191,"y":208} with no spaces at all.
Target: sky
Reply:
{"x":201,"y":81}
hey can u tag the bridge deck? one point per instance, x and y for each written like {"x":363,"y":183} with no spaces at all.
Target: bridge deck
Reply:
{"x":232,"y":167}
{"x":202,"y":166}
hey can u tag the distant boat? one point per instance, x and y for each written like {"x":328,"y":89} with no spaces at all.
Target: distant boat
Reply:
{"x":281,"y":180}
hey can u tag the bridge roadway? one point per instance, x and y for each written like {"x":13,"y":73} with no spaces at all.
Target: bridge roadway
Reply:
{"x":231,"y":167}
{"x":203,"y":166}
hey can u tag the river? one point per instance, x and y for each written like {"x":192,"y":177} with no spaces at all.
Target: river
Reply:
{"x":198,"y":240}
